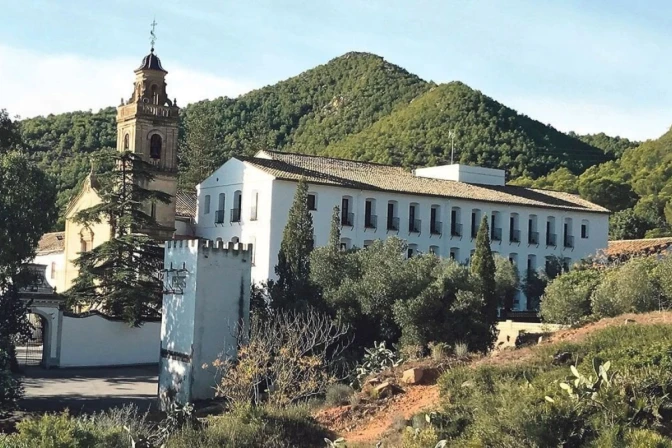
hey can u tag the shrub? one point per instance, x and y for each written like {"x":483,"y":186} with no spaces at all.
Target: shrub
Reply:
{"x":290,"y":357}
{"x":663,"y":275}
{"x":629,"y":288}
{"x":461,"y":349}
{"x":338,"y":394}
{"x":439,"y":351}
{"x":376,"y":360}
{"x":419,"y":438}
{"x":566,"y":299}
{"x":10,"y":387}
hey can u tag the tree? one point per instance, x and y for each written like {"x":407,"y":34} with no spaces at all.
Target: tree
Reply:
{"x":483,"y":269}
{"x":506,"y":282}
{"x":9,"y":133}
{"x":121,"y":275}
{"x":293,"y":289}
{"x":327,"y":262}
{"x":197,"y":149}
{"x":566,"y":299}
{"x":612,"y":194}
{"x":626,"y":225}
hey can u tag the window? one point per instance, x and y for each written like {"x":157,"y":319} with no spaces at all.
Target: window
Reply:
{"x":127,"y":142}
{"x":454,"y":253}
{"x":347,"y":217}
{"x":531,"y":263}
{"x":495,"y":227}
{"x":455,"y":225}
{"x":86,"y":240}
{"x":412,"y":250}
{"x":253,"y":242}
{"x":514,"y":229}
{"x":155,"y":144}
{"x":532,"y":233}
{"x":551,"y":239}
{"x":568,"y":239}
{"x":206,"y":205}
{"x":255,"y":204}
{"x":475,"y":222}
{"x":392,"y":219}
{"x":434,"y":250}
{"x":346,"y":244}
{"x":237,"y":206}
{"x":513,"y":259}
{"x":370,"y":218}
{"x":434,"y":223}
{"x":413,"y":221}
{"x":312,"y":201}
{"x":152,"y":210}
{"x":584,"y":229}
{"x":566,"y":263}
{"x":471,"y":255}
{"x":221,"y":209}
{"x":367,"y":243}
{"x":52,"y":274}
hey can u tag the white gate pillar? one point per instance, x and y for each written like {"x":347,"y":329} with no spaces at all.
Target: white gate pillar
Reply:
{"x":206,"y":298}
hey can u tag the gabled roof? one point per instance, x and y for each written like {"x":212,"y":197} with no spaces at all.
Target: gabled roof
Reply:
{"x":51,"y":242}
{"x":373,"y":176}
{"x":185,"y":204}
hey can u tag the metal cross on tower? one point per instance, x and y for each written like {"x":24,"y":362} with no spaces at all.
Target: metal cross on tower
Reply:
{"x":151,"y":33}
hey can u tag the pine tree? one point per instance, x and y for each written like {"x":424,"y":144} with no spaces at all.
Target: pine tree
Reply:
{"x":335,"y":231}
{"x":120,"y":276}
{"x":483,"y":270}
{"x":293,"y":288}
{"x":197,"y":150}
{"x":327,"y":269}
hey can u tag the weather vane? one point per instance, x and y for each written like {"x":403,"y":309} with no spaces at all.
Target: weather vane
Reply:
{"x":153,"y":39}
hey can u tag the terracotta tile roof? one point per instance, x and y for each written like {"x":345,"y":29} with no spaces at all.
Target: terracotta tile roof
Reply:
{"x":51,"y":242}
{"x":628,"y":248}
{"x":372,"y":176}
{"x":185,"y":204}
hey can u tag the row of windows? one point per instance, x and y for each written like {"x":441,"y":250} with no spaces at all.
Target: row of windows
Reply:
{"x":235,"y":213}
{"x":454,"y":254}
{"x":436,"y":226}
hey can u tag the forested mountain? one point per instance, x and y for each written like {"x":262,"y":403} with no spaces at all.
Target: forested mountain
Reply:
{"x":356,"y":106}
{"x":610,"y":145}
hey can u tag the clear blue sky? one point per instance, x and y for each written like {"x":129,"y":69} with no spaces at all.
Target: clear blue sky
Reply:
{"x":589,"y":66}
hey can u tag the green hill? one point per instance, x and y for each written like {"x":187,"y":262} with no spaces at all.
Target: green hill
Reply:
{"x":355,"y":106}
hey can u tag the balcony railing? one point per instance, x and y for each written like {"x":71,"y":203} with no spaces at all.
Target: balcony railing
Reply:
{"x":474,"y":232}
{"x":456,"y":230}
{"x":569,"y":241}
{"x":253,"y":213}
{"x":414,"y":225}
{"x":235,"y":215}
{"x":347,"y":219}
{"x":496,"y":234}
{"x":514,"y":236}
{"x":533,"y":238}
{"x":551,"y":239}
{"x":393,"y":223}
{"x":370,"y":221}
{"x":219,"y":216}
{"x":435,"y":227}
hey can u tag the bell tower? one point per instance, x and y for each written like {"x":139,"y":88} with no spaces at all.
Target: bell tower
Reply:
{"x":147,"y":124}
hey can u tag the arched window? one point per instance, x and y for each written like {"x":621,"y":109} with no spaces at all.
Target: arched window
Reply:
{"x":127,"y":142}
{"x":155,"y":146}
{"x":155,"y":94}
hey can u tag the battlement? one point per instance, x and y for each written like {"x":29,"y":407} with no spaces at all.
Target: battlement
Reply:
{"x":211,"y":246}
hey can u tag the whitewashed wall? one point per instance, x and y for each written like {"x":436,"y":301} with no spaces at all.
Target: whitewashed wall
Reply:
{"x":96,"y":341}
{"x":55,"y":263}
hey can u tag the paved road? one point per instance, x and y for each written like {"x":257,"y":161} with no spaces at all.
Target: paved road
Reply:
{"x":89,"y":390}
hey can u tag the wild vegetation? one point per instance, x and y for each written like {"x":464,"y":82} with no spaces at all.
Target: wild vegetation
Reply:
{"x":638,"y":285}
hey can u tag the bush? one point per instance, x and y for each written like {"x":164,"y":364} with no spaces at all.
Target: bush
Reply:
{"x":626,"y":289}
{"x":566,"y":299}
{"x":290,"y":357}
{"x":262,"y":426}
{"x":376,"y":360}
{"x":10,"y":387}
{"x":338,"y":394}
{"x":461,"y":349}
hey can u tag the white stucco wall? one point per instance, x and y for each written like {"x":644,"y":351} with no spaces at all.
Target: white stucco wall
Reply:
{"x":96,"y":341}
{"x":200,"y":320}
{"x":55,"y":263}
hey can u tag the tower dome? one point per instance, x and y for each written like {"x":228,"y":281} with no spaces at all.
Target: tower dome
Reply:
{"x":151,"y":62}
